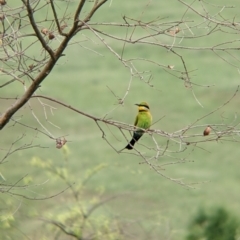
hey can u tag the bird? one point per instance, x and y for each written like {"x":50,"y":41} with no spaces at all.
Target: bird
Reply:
{"x":143,"y":121}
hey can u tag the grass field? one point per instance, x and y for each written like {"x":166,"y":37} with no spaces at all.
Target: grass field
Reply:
{"x":153,"y":207}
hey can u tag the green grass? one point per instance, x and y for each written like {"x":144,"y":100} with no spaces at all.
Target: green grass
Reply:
{"x":82,"y":79}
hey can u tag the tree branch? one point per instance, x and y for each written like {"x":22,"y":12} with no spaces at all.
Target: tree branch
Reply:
{"x":36,"y":30}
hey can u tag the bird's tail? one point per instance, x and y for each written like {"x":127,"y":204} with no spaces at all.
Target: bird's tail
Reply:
{"x":136,"y":137}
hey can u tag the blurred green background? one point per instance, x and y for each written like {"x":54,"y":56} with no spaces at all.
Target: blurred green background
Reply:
{"x":153,"y":206}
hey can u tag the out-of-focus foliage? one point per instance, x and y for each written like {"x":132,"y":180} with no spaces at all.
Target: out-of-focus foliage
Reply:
{"x":79,"y":215}
{"x":216,"y":224}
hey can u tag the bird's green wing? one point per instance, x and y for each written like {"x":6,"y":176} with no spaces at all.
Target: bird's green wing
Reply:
{"x":136,"y":121}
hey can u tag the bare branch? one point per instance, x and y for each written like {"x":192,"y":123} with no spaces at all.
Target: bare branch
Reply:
{"x":38,"y":33}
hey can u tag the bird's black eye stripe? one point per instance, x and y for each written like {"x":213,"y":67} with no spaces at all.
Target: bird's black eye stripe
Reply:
{"x":144,"y":106}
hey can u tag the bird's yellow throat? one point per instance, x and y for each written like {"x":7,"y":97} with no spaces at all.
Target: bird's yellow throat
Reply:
{"x":143,"y":109}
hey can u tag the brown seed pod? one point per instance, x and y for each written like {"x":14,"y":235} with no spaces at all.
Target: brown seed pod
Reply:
{"x":3,"y":2}
{"x":58,"y":145}
{"x":64,"y":141}
{"x":60,"y":142}
{"x":174,"y":31}
{"x":177,"y":30}
{"x":51,"y":36}
{"x":207,"y":131}
{"x":170,"y":66}
{"x":44,"y":31}
{"x":2,"y":17}
{"x":31,"y":66}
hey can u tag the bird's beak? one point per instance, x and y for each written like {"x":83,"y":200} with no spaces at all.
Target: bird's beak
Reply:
{"x":136,"y":104}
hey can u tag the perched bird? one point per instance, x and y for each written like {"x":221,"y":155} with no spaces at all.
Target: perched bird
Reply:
{"x":143,"y":120}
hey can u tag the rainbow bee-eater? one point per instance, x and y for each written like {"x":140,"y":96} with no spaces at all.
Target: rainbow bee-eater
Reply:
{"x":143,"y":121}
